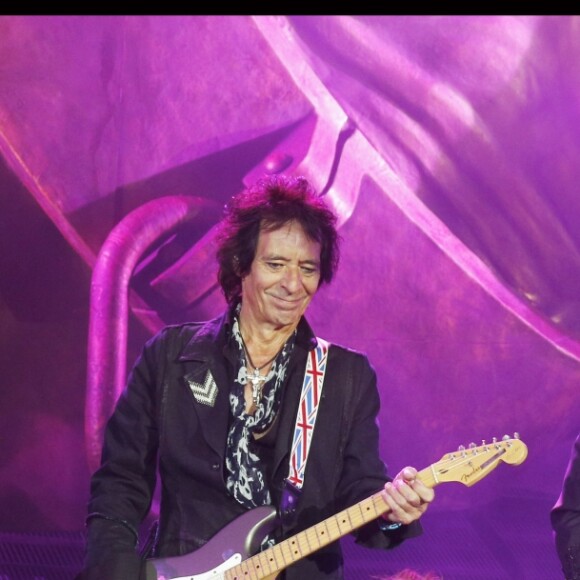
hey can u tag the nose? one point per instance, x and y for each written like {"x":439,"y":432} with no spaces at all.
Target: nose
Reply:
{"x":292,"y":279}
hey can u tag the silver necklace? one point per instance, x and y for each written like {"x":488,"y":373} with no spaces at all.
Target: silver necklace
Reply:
{"x":256,"y":378}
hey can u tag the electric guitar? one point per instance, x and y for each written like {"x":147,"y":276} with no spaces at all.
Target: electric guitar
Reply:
{"x":233,"y":553}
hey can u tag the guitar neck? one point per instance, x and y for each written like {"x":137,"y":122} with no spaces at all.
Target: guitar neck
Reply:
{"x":270,"y":562}
{"x":467,"y":466}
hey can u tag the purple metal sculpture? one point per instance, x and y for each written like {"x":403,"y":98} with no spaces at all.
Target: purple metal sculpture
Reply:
{"x":107,"y":343}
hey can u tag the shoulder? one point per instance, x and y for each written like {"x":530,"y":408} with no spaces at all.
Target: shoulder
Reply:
{"x":345,"y":350}
{"x":178,"y":337}
{"x":352,"y":376}
{"x":342,"y":357}
{"x":177,"y":332}
{"x":341,"y":350}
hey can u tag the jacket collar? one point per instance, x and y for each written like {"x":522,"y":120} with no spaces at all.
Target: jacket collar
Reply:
{"x":204,"y":343}
{"x":218,"y":332}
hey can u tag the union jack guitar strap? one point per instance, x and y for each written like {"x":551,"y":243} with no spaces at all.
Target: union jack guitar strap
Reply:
{"x":307,"y":411}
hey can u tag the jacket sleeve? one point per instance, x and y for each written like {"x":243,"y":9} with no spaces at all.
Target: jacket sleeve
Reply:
{"x":362,"y":456}
{"x":121,"y":489}
{"x":565,"y":517}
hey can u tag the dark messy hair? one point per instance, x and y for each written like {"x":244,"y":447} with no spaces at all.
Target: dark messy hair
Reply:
{"x":268,"y":205}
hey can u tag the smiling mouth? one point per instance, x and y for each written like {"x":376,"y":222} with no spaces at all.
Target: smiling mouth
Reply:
{"x":288,"y":304}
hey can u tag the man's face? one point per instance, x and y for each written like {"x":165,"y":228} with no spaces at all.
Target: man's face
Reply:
{"x":283,"y":278}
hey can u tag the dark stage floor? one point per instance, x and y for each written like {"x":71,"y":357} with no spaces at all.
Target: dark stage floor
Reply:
{"x":507,"y":540}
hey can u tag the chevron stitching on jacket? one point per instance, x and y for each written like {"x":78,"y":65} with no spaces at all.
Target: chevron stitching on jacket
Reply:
{"x":205,"y":394}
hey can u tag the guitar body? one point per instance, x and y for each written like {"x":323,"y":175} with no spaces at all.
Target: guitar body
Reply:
{"x":231,"y":545}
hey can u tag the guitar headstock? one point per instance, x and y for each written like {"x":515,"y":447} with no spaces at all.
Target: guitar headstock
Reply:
{"x":469,"y":464}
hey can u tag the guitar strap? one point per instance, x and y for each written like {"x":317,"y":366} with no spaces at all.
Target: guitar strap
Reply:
{"x":307,"y":411}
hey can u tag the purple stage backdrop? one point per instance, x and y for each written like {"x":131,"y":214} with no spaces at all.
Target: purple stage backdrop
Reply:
{"x":449,"y":147}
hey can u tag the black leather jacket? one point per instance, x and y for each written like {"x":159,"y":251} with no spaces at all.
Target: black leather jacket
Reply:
{"x":158,"y":423}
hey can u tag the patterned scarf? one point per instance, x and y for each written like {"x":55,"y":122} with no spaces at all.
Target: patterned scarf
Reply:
{"x":245,"y":477}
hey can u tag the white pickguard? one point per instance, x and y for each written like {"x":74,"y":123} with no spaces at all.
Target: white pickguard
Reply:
{"x":215,"y":574}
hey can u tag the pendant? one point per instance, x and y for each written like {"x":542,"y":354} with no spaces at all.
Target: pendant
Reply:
{"x":256,"y":381}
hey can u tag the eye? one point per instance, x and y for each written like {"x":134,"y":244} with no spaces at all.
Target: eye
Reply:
{"x":274,"y":265}
{"x":309,"y":270}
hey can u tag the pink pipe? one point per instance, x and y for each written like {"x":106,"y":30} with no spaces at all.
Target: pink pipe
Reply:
{"x":109,"y":299}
